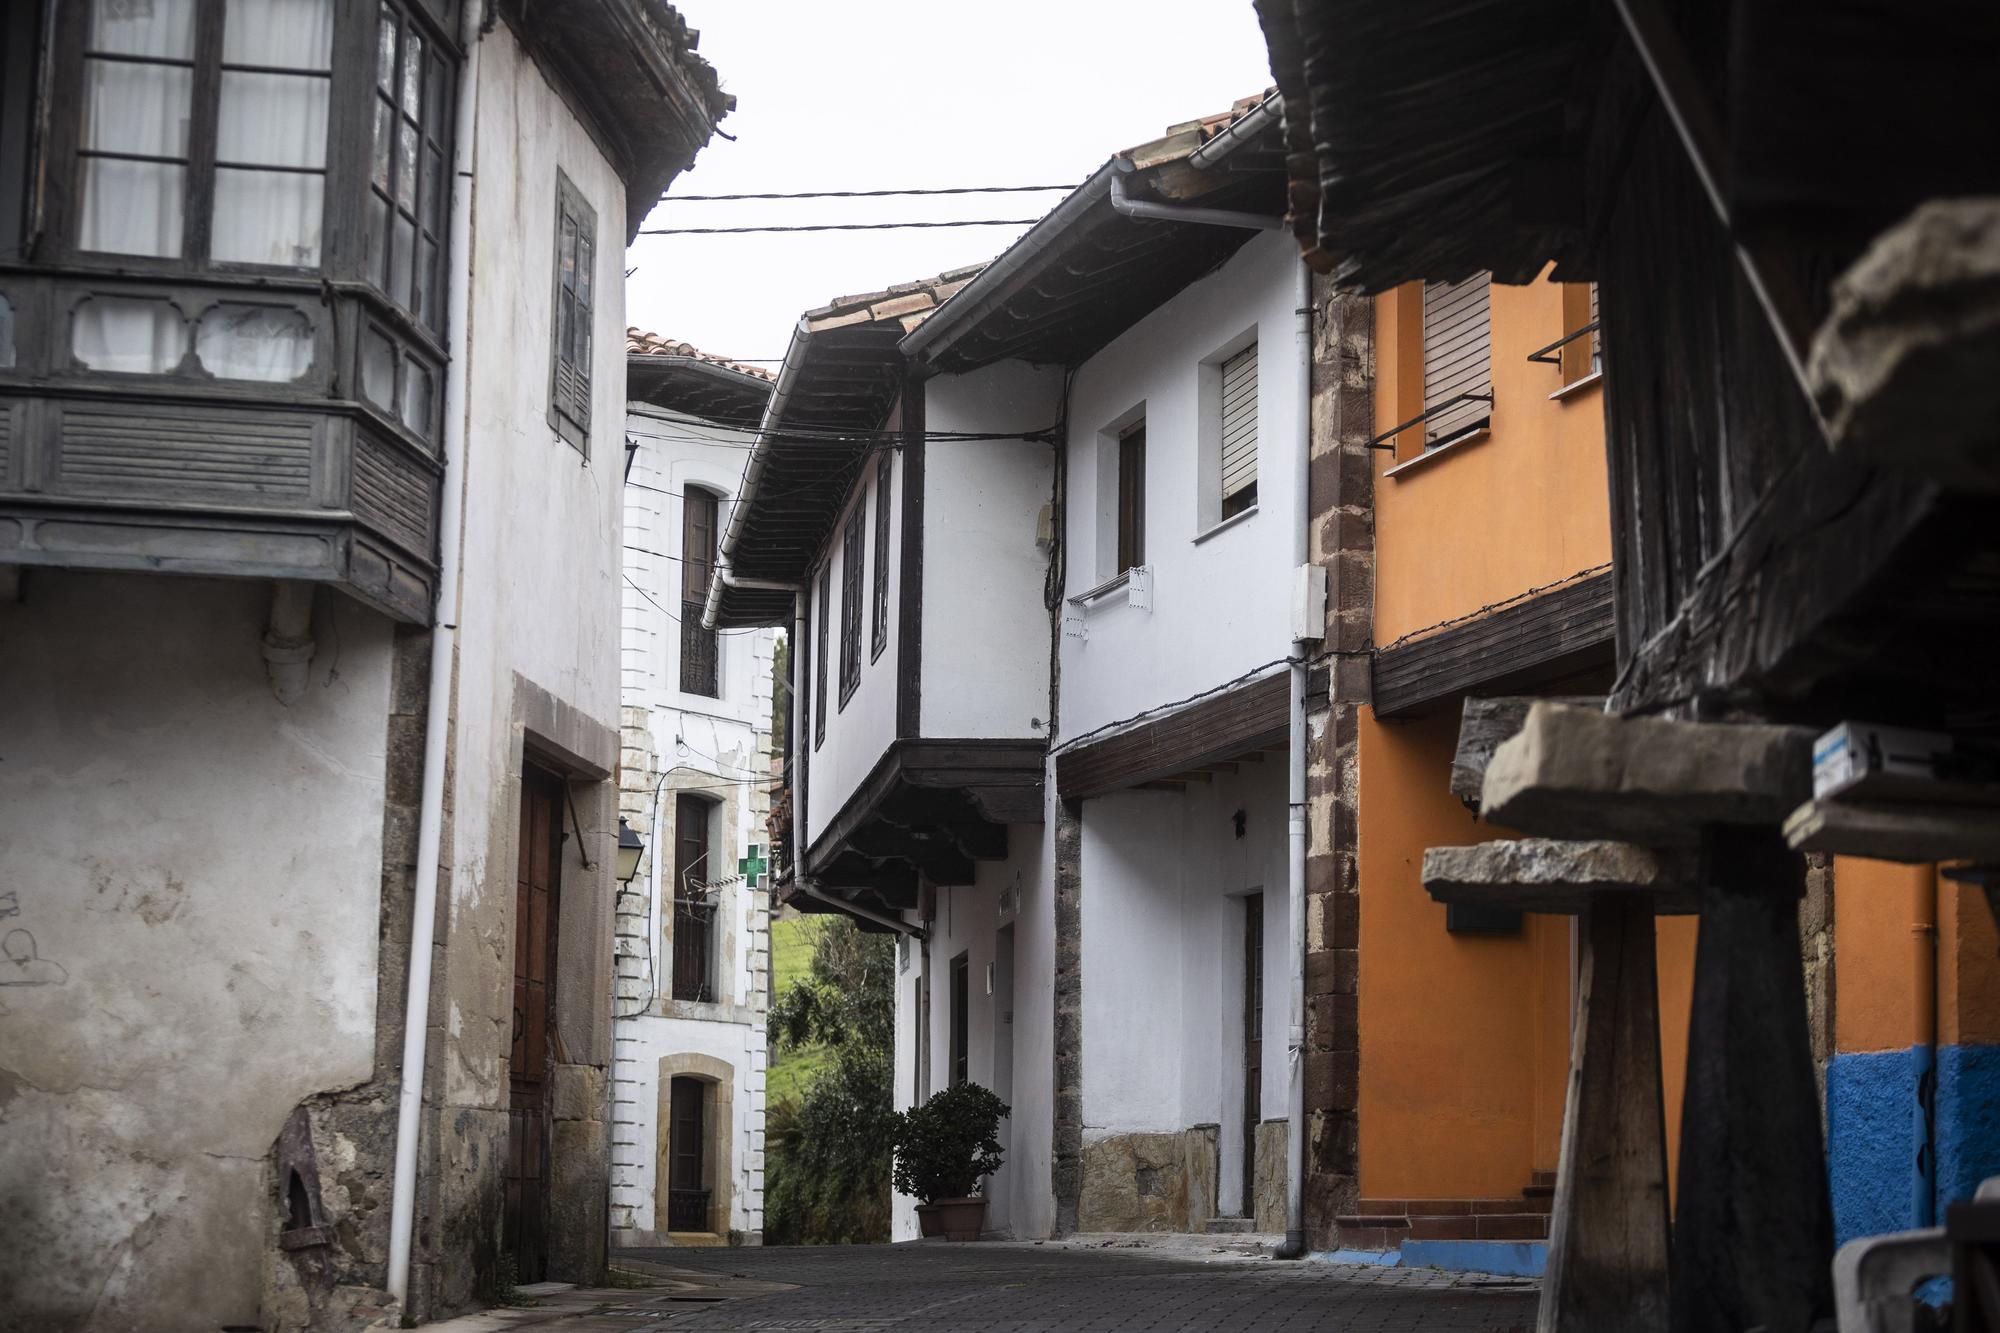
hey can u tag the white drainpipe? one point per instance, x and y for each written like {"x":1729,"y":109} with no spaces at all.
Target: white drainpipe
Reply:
{"x":1295,"y":795}
{"x":437,"y":718}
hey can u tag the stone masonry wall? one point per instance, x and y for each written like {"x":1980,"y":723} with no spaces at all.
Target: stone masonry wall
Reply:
{"x":1342,"y":500}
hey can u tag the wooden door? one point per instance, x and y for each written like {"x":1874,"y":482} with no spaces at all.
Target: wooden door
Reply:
{"x":536,"y":893}
{"x":1253,"y":1043}
{"x":687,"y":1192}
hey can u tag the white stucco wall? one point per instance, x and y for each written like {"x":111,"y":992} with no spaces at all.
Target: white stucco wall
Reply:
{"x":1013,"y":1056}
{"x":1163,"y":941}
{"x":859,"y":731}
{"x":642,"y":1043}
{"x":984,"y":570}
{"x":1219,"y":597}
{"x":540,"y":596}
{"x":191,"y":907}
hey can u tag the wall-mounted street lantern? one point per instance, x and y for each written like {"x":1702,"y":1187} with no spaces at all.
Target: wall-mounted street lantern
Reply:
{"x":630,"y":849}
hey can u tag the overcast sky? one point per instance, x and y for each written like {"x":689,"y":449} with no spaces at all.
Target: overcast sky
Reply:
{"x":887,"y":94}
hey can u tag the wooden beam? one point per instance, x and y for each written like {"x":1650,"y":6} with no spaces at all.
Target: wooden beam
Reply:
{"x":1608,"y":1250}
{"x":1224,"y":727}
{"x":1543,"y":638}
{"x":1576,"y":773}
{"x":1753,"y":1226}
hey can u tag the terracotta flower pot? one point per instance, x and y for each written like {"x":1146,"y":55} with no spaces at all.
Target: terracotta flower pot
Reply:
{"x":954,"y":1219}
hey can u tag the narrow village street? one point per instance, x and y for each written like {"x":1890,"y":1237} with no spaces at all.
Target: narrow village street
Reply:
{"x":1088,"y":1283}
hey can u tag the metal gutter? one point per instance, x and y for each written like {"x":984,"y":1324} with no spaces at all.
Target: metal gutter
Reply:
{"x":1266,"y":113}
{"x":1147,"y":210}
{"x":806,"y":887}
{"x":753,"y":473}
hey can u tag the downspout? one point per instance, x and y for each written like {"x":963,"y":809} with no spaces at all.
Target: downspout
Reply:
{"x":801,"y":609}
{"x":1923,"y":1052}
{"x":444,"y":635}
{"x":1294,"y":1246}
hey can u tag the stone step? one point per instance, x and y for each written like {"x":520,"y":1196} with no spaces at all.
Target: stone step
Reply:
{"x":1524,"y":1202}
{"x":1231,"y":1226}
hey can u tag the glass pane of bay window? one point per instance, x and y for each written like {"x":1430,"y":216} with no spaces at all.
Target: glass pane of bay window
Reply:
{"x":134,"y":108}
{"x":128,"y":333}
{"x":162,"y":28}
{"x":284,"y":34}
{"x":254,"y":342}
{"x":273,"y":120}
{"x":131,"y":208}
{"x":268,"y":217}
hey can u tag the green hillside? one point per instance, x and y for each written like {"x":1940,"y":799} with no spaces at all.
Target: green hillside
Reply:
{"x":791,"y":959}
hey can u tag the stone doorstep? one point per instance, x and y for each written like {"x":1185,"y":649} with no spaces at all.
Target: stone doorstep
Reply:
{"x":1386,"y":1223}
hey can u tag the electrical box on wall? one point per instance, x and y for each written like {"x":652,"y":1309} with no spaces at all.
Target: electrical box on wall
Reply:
{"x":1309,"y":602}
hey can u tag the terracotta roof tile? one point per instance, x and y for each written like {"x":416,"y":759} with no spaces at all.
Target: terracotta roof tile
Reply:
{"x":910,"y":303}
{"x":638,"y":342}
{"x":1182,"y":139}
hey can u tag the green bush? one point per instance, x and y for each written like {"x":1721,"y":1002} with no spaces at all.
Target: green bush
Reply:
{"x":945,"y":1146}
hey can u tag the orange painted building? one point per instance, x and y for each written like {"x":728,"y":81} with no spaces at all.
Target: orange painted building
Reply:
{"x":1491,"y":547}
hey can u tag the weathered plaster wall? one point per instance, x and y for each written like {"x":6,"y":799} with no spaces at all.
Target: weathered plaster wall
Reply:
{"x":536,"y":675}
{"x":984,"y":570}
{"x":1219,"y":599}
{"x":190,"y":909}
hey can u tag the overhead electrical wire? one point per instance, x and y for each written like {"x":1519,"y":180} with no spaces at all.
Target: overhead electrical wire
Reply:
{"x":836,"y":226}
{"x":864,"y":194}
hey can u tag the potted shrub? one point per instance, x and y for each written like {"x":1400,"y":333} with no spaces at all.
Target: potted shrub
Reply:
{"x":943,"y":1149}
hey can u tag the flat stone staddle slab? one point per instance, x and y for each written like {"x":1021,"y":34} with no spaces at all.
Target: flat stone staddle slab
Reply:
{"x":1546,"y":875}
{"x":1578,"y":773}
{"x":1913,"y":834}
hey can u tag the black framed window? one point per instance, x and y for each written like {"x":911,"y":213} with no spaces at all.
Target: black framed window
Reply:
{"x":852,"y":561}
{"x":694,"y":908}
{"x":569,"y":358}
{"x":1132,"y":498}
{"x":204,"y":131}
{"x":819,"y":659}
{"x":699,"y":657}
{"x":884,"y":473}
{"x":408,"y":185}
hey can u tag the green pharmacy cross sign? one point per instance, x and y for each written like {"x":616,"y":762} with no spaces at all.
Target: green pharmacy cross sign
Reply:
{"x":752,"y":866}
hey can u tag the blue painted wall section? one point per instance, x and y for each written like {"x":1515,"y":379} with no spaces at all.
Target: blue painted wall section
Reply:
{"x":1968,"y":1120}
{"x":1871,"y":1141}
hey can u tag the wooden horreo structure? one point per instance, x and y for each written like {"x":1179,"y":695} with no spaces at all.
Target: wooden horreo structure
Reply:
{"x":1792,"y":211}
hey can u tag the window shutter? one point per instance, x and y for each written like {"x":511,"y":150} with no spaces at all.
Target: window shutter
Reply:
{"x":1239,"y":431}
{"x":1597,"y":335}
{"x":1457,"y":355}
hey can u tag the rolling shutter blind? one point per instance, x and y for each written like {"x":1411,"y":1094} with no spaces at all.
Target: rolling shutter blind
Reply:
{"x":1457,"y":355}
{"x":1239,"y":431}
{"x":1597,"y":337}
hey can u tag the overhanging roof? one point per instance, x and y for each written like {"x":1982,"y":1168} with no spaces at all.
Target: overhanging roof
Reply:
{"x":1088,"y":271}
{"x":841,"y":377}
{"x":681,"y":378}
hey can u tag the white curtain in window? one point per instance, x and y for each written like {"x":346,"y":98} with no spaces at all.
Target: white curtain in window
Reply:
{"x":145,"y":337}
{"x":280,"y":120}
{"x":134,"y":208}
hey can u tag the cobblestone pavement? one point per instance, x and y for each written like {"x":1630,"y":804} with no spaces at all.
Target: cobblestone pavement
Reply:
{"x":1025,"y":1288}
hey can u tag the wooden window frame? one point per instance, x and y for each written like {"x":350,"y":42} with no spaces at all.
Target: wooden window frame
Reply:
{"x":570,"y":326}
{"x":853,"y":559}
{"x":1130,"y":515}
{"x":884,"y":481}
{"x":820,"y":639}
{"x":424,"y":300}
{"x":701,"y":648}
{"x":694,"y":918}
